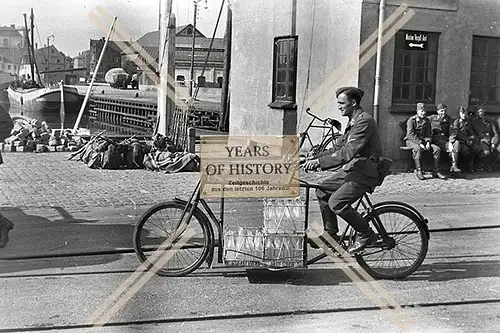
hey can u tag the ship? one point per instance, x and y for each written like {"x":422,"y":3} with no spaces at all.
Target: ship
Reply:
{"x":44,"y":104}
{"x":32,"y":100}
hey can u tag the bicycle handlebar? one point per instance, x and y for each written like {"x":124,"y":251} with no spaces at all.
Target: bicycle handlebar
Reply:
{"x":333,"y":122}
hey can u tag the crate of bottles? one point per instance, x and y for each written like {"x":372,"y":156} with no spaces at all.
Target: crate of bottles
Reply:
{"x":254,"y":247}
{"x":284,"y":215}
{"x":243,"y":246}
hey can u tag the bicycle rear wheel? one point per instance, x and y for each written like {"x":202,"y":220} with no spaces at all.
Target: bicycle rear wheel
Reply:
{"x":189,"y":242}
{"x":406,"y":249}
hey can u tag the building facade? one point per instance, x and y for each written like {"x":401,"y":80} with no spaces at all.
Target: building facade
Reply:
{"x":210,"y":77}
{"x":290,"y":55}
{"x":11,"y":50}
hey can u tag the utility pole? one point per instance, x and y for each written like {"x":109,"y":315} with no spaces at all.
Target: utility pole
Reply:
{"x":165,"y":61}
{"x":192,"y":45}
{"x":191,"y":76}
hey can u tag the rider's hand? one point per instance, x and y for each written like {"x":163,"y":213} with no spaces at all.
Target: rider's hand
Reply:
{"x":311,"y":165}
{"x":428,"y":145}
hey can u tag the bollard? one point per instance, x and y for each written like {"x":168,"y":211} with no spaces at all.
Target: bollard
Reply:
{"x":191,"y":139}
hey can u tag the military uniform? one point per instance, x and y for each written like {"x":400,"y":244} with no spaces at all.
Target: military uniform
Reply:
{"x":440,"y":129}
{"x":357,"y":151}
{"x":483,"y":129}
{"x":463,"y":141}
{"x":418,"y":132}
{"x":495,"y":141}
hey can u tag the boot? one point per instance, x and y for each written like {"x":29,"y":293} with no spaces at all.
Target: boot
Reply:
{"x":5,"y":226}
{"x":314,"y":245}
{"x":454,"y":163}
{"x":437,"y":173}
{"x":419,"y":174}
{"x":362,"y":240}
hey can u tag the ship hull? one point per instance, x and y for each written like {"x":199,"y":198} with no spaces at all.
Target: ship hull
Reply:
{"x":44,"y":104}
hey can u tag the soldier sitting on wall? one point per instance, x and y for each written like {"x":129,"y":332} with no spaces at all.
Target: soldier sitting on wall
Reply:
{"x":418,"y":138}
{"x":483,"y":129}
{"x":440,"y":126}
{"x":462,"y":138}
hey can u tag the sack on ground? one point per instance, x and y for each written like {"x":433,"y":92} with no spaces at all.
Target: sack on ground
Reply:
{"x":134,"y":156}
{"x":111,"y":158}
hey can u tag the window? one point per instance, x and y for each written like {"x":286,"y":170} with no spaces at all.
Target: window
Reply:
{"x":1,"y":58}
{"x":284,"y":72}
{"x":485,"y":71}
{"x":5,"y":42}
{"x":219,"y":81}
{"x":414,"y":77}
{"x":181,"y":79}
{"x":8,"y":67}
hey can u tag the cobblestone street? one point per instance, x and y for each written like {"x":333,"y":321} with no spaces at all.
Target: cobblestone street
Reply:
{"x":29,"y":180}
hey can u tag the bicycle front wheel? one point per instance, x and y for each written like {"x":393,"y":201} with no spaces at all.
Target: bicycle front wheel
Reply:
{"x":188,"y":241}
{"x":404,"y":251}
{"x":329,"y":142}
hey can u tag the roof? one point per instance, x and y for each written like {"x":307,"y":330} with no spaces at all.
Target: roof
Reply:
{"x":9,"y":31}
{"x":152,"y":38}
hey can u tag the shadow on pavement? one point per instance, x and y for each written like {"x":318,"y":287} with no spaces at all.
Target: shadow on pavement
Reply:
{"x":442,"y":271}
{"x":37,"y":242}
{"x":445,"y":271}
{"x":309,"y":276}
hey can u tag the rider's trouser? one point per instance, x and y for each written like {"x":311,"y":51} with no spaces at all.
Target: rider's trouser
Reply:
{"x":338,"y":198}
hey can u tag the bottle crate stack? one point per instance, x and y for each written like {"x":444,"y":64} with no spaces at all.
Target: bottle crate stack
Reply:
{"x":278,"y":242}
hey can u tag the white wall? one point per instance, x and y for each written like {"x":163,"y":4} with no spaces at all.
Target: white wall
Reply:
{"x":328,"y":36}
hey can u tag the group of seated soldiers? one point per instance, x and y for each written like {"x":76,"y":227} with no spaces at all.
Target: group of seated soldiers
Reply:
{"x":472,"y":136}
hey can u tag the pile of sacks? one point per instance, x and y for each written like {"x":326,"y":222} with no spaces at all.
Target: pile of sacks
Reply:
{"x":37,"y":136}
{"x":157,"y":154}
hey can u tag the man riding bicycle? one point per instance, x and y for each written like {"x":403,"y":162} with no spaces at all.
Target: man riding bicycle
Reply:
{"x":358,"y":151}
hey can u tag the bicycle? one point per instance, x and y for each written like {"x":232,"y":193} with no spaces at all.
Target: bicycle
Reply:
{"x":332,"y":127}
{"x":401,"y":247}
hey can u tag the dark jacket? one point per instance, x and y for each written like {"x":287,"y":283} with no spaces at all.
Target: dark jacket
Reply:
{"x":440,"y":126}
{"x":418,"y":130}
{"x":461,"y":130}
{"x":358,"y":149}
{"x":483,"y":128}
{"x":496,"y":131}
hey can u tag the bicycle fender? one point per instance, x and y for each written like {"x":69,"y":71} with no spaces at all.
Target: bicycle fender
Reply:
{"x":410,"y":209}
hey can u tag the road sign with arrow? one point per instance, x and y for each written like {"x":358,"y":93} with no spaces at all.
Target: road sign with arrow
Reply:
{"x":415,"y":40}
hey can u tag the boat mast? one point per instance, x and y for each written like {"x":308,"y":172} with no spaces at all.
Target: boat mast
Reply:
{"x":33,"y":49}
{"x":29,"y":47}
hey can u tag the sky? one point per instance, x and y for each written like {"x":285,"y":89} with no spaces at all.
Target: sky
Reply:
{"x":69,"y":22}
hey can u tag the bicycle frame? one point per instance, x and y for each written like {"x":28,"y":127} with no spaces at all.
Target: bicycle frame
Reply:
{"x":195,"y":199}
{"x":326,"y":124}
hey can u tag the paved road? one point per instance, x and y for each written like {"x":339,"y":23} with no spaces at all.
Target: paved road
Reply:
{"x":71,"y":248}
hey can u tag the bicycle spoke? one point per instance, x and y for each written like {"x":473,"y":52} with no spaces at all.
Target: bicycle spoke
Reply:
{"x":410,"y":244}
{"x":161,"y":223}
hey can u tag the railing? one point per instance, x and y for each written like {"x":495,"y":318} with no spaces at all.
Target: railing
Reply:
{"x":120,"y":116}
{"x":129,"y":117}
